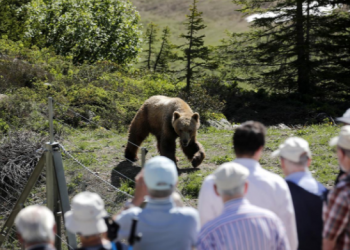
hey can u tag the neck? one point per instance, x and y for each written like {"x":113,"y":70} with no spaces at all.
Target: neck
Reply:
{"x":251,"y":157}
{"x":295,"y":170}
{"x":230,"y":198}
{"x":90,"y":241}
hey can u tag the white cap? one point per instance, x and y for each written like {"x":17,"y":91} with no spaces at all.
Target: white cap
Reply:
{"x":87,"y":215}
{"x":292,"y":149}
{"x":35,"y":224}
{"x":230,"y":175}
{"x":345,"y":118}
{"x":160,"y":173}
{"x":343,"y":140}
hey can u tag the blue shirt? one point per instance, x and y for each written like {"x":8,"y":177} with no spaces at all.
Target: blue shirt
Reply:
{"x":243,"y":226}
{"x":163,"y":226}
{"x":305,"y":180}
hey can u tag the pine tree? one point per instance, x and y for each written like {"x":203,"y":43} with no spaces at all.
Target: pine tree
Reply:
{"x":151,"y":39}
{"x":285,"y":43}
{"x":165,"y":52}
{"x":195,"y":55}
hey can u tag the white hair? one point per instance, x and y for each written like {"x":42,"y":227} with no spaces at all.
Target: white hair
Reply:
{"x":36,"y":224}
{"x":297,"y":165}
{"x":239,"y":190}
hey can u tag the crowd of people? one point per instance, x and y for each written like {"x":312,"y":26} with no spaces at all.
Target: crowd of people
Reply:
{"x":240,"y":205}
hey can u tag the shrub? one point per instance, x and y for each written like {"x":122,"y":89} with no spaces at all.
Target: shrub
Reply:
{"x":89,"y":30}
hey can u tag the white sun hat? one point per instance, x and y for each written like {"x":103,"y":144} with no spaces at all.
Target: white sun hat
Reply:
{"x":160,"y":173}
{"x":230,"y":175}
{"x":292,"y":149}
{"x":343,"y":140}
{"x":345,"y":118}
{"x":87,"y":215}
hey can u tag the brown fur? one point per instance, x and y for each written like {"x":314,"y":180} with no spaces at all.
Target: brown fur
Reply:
{"x":166,"y":118}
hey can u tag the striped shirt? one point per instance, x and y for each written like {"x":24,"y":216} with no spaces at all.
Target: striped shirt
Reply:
{"x":243,"y":226}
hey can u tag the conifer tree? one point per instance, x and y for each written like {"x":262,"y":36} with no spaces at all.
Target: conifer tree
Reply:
{"x":151,"y":39}
{"x":195,"y":55}
{"x":165,"y":52}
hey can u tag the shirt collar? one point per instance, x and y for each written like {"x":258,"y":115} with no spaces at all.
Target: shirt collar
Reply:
{"x":251,"y":164}
{"x":41,"y":245}
{"x":297,"y":176}
{"x":231,"y":204}
{"x":166,"y":203}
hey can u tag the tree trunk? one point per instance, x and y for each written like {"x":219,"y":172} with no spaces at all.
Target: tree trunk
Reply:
{"x":303,"y":79}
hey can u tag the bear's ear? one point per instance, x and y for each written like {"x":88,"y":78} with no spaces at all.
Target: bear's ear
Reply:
{"x":176,"y":116}
{"x":195,"y":116}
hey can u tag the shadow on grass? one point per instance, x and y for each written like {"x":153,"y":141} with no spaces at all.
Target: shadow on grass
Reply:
{"x":125,"y":168}
{"x":187,"y":170}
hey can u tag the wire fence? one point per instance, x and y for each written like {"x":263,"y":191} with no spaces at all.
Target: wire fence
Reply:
{"x":79,"y":178}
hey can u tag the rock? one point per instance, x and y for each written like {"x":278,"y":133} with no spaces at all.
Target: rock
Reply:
{"x":48,"y":85}
{"x":282,"y":126}
{"x":223,"y":124}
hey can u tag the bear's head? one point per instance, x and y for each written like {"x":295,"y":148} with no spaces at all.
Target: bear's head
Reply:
{"x":185,"y":125}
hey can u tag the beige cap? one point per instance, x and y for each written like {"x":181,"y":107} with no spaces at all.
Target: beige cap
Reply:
{"x":230,"y":175}
{"x":345,"y":118}
{"x":343,"y":140}
{"x":292,"y":149}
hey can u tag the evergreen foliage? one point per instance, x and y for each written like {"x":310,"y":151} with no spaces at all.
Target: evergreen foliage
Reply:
{"x":150,"y":39}
{"x":165,"y":54}
{"x":88,"y":31}
{"x":294,"y":46}
{"x":196,"y":56}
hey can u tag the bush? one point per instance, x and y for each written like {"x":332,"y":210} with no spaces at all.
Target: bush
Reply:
{"x":89,"y":30}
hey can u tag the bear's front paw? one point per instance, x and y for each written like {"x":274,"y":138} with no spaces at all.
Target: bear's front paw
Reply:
{"x":196,"y":162}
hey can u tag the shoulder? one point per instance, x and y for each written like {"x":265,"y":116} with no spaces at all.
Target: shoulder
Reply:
{"x":129,"y":213}
{"x":341,"y":190}
{"x":273,"y":179}
{"x":188,"y":212}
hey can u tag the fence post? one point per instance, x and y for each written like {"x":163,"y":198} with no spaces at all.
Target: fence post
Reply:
{"x":143,"y":156}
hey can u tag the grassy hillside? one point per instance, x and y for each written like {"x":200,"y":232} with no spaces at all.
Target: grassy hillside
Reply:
{"x":219,"y":15}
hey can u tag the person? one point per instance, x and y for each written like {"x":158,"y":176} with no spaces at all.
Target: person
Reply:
{"x":336,"y":215}
{"x":36,"y":228}
{"x":241,"y":226}
{"x":161,"y":223}
{"x":266,"y":190}
{"x":345,"y":119}
{"x":307,"y":193}
{"x":87,"y":220}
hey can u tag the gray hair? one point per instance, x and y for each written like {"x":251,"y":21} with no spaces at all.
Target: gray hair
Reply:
{"x":160,"y":193}
{"x":239,"y":190}
{"x":301,"y":163}
{"x":36,"y":224}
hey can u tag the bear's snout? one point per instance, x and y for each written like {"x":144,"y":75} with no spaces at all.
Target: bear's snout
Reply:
{"x":184,"y":142}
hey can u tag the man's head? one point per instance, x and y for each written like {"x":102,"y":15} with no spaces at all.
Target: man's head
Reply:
{"x":87,"y":217}
{"x":249,"y":140}
{"x":345,"y":118}
{"x":295,"y":155}
{"x":35,"y":224}
{"x":343,"y":148}
{"x":231,"y":181}
{"x":160,"y":177}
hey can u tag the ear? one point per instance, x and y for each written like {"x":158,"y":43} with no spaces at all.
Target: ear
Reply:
{"x":195,"y":116}
{"x":176,"y":115}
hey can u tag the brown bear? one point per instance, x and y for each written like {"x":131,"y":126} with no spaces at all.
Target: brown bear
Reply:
{"x":166,"y":118}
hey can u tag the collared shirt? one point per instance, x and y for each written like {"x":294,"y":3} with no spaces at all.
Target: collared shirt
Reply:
{"x":336,"y":216}
{"x":305,"y":180}
{"x":41,"y":246}
{"x":163,"y":226}
{"x":266,"y":190}
{"x":243,"y":226}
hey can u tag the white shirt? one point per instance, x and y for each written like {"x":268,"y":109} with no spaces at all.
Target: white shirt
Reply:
{"x":266,"y":190}
{"x":305,"y":180}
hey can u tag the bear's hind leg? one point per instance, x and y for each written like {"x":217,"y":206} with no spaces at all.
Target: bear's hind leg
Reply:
{"x":194,"y":152}
{"x":138,"y":132}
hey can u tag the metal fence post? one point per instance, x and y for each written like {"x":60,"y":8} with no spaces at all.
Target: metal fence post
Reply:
{"x":143,"y":156}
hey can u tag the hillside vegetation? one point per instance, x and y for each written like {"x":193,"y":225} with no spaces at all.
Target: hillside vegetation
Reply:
{"x":219,"y":15}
